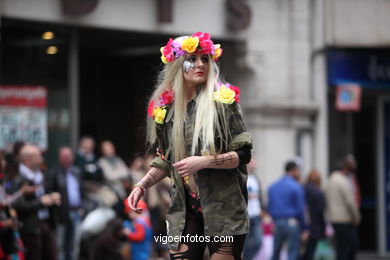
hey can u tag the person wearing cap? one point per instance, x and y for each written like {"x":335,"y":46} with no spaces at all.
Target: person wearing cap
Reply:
{"x":138,"y":230}
{"x":195,"y":125}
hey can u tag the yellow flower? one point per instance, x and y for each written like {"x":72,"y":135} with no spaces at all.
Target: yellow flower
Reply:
{"x":159,"y":114}
{"x":164,"y":60}
{"x":218,"y":52}
{"x":225,"y":95}
{"x":190,"y":44}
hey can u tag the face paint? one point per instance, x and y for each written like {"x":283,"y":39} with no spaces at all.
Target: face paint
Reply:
{"x":188,"y":64}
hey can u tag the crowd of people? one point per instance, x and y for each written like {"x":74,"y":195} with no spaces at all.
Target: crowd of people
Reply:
{"x":302,"y":218}
{"x":78,"y":208}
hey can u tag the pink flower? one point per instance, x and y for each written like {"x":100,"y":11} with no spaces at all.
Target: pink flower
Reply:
{"x":237,"y":91}
{"x":202,"y":36}
{"x":169,"y":57}
{"x":205,"y":42}
{"x":167,"y":49}
{"x":207,"y":46}
{"x":176,"y":49}
{"x":167,"y":97}
{"x":150,"y":108}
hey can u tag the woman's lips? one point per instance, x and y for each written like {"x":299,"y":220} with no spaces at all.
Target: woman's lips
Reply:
{"x":199,"y":73}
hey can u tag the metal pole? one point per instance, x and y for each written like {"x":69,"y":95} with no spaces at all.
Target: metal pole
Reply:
{"x":74,"y":87}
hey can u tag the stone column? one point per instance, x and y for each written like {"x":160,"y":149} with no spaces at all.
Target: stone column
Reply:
{"x":278,"y":94}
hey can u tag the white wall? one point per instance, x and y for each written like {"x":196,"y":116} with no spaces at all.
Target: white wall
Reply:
{"x":133,"y":15}
{"x":279,"y":102}
{"x":363,"y":23}
{"x":320,"y":88}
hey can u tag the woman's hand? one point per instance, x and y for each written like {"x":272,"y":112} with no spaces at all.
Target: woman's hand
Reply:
{"x":134,"y":198}
{"x":153,"y":176}
{"x":190,"y":165}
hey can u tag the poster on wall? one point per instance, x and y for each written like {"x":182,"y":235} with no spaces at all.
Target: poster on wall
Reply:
{"x":23,"y":115}
{"x":348,"y":97}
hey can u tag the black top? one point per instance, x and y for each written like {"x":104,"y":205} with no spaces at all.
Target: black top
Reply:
{"x":315,"y":201}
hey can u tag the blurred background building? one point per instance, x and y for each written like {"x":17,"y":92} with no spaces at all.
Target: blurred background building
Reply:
{"x":97,"y":61}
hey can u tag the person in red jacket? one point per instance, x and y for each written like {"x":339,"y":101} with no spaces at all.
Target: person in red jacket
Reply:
{"x":138,"y":230}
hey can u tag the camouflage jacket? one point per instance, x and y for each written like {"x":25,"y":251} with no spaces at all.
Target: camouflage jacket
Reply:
{"x":222,"y":192}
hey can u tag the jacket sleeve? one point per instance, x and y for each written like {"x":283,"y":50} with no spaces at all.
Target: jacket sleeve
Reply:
{"x":350,"y":202}
{"x":239,"y":136}
{"x":160,"y":161}
{"x":138,"y":235}
{"x":23,"y":205}
{"x":20,"y":203}
{"x":50,"y":183}
{"x":300,"y":206}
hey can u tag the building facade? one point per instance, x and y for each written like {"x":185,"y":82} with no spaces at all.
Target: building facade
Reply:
{"x":357,"y":43}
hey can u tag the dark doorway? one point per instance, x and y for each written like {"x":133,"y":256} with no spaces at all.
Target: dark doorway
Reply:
{"x":355,"y":133}
{"x":117,"y":74}
{"x":364,"y":125}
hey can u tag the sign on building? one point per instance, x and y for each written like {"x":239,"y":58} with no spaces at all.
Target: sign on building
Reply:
{"x":23,"y":115}
{"x":348,"y":97}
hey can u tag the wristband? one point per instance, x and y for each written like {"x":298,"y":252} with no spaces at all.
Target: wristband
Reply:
{"x":140,"y":187}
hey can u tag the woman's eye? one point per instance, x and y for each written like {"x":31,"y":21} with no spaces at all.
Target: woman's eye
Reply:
{"x":191,"y":59}
{"x":205,"y":59}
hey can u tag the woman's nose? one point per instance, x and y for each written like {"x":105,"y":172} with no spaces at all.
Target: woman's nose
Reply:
{"x":199,"y":62}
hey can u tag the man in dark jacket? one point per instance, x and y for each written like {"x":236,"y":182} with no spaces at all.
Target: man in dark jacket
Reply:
{"x":86,"y":160}
{"x":32,"y":207}
{"x":66,"y":179}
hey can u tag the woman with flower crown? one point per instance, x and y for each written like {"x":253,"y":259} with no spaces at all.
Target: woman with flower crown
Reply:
{"x":196,"y":126}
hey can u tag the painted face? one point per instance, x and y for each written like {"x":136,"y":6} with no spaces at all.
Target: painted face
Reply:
{"x":195,"y":68}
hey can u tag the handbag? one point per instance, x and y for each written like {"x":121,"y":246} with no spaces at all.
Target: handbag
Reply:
{"x":324,"y":251}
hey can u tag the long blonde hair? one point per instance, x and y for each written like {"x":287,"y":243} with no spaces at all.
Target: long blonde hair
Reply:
{"x":210,"y":119}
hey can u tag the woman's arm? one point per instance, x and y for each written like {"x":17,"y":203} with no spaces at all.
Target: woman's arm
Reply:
{"x":227,"y":160}
{"x":153,"y":176}
{"x":193,"y":164}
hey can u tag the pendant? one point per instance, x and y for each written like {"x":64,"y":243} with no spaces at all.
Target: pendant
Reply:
{"x":187,"y":179}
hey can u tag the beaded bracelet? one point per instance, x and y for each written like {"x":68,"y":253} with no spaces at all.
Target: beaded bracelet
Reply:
{"x":140,"y":187}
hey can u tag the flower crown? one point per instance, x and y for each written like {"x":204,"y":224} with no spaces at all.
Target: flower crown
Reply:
{"x":198,"y":43}
{"x":224,"y":93}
